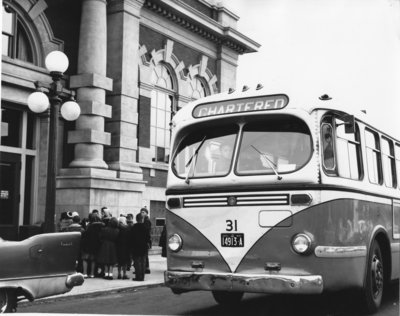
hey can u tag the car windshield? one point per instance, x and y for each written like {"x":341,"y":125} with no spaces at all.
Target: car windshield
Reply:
{"x":273,"y":146}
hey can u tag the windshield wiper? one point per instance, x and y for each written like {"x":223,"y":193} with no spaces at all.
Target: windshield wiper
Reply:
{"x":273,"y":165}
{"x":191,"y":162}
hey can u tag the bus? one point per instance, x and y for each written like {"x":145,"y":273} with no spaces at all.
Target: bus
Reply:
{"x":279,"y":193}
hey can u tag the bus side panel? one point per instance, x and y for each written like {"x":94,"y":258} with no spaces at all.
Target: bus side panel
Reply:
{"x":396,"y":242}
{"x":196,"y":248}
{"x":338,"y":223}
{"x":395,"y":265}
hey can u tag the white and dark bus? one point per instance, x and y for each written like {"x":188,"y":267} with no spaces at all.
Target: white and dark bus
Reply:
{"x":269,"y":193}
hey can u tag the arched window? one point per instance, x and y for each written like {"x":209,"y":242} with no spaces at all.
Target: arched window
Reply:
{"x":198,"y":88}
{"x":162,"y":106}
{"x":15,"y":40}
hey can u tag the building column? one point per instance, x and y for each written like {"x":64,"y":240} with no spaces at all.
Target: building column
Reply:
{"x":123,"y":66}
{"x":227,"y":62}
{"x":91,"y":83}
{"x":89,"y":183}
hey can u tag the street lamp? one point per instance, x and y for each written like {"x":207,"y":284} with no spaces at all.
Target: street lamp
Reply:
{"x":56,"y":63}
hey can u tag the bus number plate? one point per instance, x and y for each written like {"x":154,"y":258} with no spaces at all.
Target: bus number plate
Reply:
{"x":232,"y":240}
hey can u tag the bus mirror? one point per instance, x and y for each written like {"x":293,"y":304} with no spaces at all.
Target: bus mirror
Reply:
{"x":349,"y":124}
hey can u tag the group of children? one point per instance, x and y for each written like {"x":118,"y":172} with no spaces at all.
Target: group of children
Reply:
{"x":108,"y":241}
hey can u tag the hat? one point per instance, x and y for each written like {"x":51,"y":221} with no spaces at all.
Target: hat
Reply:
{"x":70,"y":214}
{"x":75,"y":214}
{"x":143,"y":209}
{"x":122,"y":220}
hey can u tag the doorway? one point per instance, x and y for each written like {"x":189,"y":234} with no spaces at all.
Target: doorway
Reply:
{"x":10,"y":172}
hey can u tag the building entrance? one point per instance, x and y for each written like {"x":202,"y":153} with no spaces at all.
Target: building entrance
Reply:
{"x":10,"y":171}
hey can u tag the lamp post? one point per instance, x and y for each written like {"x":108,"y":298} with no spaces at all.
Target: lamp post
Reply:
{"x":56,"y":63}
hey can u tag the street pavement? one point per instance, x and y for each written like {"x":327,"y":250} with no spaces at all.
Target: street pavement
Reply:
{"x":91,"y":286}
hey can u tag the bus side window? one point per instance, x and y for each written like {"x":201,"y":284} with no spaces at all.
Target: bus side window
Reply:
{"x":348,"y":152}
{"x":397,"y":164}
{"x":328,"y":152}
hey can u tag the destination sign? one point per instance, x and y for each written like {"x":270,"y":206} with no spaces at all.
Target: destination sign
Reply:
{"x":263,"y":103}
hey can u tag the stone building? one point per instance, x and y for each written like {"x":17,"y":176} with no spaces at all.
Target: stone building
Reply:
{"x":132,"y":65}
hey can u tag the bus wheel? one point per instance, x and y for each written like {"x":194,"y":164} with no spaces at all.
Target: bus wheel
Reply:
{"x":373,"y":287}
{"x":8,"y":301}
{"x":227,"y":298}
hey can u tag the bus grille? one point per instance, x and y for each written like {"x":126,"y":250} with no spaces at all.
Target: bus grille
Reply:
{"x":237,"y":200}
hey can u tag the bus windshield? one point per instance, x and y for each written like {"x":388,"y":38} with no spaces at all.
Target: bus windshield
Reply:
{"x":274,"y":146}
{"x":278,"y":145}
{"x":206,"y":152}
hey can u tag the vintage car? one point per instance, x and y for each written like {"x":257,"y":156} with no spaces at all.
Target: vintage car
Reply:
{"x":40,"y":266}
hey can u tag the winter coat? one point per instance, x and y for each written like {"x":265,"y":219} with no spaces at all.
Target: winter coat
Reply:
{"x":108,"y":250}
{"x":140,"y":239}
{"x":147,"y":224}
{"x":123,"y":249}
{"x":91,"y":238}
{"x":74,"y":227}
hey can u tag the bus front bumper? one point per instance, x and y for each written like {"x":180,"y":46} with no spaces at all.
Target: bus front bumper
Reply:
{"x":255,"y":283}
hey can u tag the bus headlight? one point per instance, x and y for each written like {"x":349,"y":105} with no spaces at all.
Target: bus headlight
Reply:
{"x":301,"y":243}
{"x":174,"y":203}
{"x":175,"y":242}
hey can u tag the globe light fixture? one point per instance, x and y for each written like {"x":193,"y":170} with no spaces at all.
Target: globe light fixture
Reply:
{"x":56,"y":63}
{"x":70,"y":110}
{"x":38,"y":102}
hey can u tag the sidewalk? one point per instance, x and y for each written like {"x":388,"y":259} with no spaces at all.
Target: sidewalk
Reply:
{"x":157,"y":263}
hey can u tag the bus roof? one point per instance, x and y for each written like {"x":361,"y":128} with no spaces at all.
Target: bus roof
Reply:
{"x":302,"y":100}
{"x":296,"y":101}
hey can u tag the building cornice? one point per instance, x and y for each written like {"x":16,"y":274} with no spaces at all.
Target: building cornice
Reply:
{"x":184,"y":15}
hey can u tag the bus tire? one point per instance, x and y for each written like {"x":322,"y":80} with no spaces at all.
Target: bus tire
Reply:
{"x":227,"y":298}
{"x":373,"y":286}
{"x":8,"y":301}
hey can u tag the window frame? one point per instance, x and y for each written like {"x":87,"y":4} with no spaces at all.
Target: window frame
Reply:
{"x":329,"y":171}
{"x":193,"y":85}
{"x":392,"y":162}
{"x":378,"y":153}
{"x":19,"y":28}
{"x":170,"y":93}
{"x":397,"y":163}
{"x":28,"y":149}
{"x":331,"y":119}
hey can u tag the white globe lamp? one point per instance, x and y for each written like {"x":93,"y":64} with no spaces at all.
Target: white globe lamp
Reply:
{"x":70,"y":110}
{"x":56,"y":61}
{"x":38,"y":102}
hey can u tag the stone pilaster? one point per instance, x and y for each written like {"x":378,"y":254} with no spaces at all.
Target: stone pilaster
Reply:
{"x":227,"y":61}
{"x":89,"y":183}
{"x":122,"y":65}
{"x":91,"y":83}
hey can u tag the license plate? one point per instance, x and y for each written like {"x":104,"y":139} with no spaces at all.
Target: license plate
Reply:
{"x":232,"y":240}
